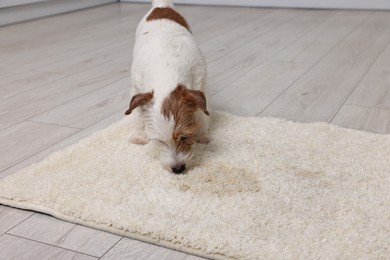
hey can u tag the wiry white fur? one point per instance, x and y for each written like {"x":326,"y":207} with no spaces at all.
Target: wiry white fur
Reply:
{"x":171,"y":158}
{"x":160,"y":128}
{"x":157,"y":126}
{"x":165,"y":54}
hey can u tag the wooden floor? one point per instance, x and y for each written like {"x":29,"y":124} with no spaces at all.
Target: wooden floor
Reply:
{"x":64,"y":77}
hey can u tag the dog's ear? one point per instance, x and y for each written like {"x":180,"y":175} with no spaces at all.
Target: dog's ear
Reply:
{"x":139,"y":100}
{"x":198,"y":99}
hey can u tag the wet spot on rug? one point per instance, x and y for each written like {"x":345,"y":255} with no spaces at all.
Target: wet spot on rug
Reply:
{"x":219,"y":179}
{"x":309,"y":173}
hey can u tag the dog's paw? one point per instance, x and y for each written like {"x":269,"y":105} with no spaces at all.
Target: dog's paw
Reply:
{"x":138,"y":139}
{"x":203,"y":139}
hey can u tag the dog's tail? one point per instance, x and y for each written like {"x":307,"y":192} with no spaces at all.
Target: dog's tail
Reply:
{"x":162,"y":3}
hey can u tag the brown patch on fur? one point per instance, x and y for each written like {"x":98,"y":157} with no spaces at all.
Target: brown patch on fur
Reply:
{"x":139,"y":100}
{"x":182,"y":104}
{"x":170,"y":14}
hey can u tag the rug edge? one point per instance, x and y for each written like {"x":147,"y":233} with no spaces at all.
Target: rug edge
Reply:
{"x":62,"y":216}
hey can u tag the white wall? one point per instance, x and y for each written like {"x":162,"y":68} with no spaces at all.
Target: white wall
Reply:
{"x":344,"y":4}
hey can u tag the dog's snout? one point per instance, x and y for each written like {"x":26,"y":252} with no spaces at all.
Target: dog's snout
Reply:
{"x":179,"y":169}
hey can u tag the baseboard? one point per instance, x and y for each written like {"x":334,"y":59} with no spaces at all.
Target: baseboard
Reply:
{"x":36,"y":10}
{"x":314,"y":4}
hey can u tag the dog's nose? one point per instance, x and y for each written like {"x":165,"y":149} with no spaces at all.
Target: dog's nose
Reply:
{"x":179,"y":169}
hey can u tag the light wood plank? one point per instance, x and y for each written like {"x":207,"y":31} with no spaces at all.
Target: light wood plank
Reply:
{"x":19,"y":108}
{"x":23,"y":13}
{"x":13,"y":3}
{"x":252,"y":92}
{"x":46,"y":229}
{"x":40,"y":155}
{"x":314,"y":45}
{"x":27,"y":138}
{"x":373,"y":120}
{"x":228,"y":22}
{"x":374,"y":89}
{"x":76,"y":42}
{"x":195,"y":15}
{"x":4,"y":70}
{"x":319,"y":94}
{"x":133,"y":249}
{"x":47,"y":53}
{"x":255,"y":90}
{"x":235,"y":63}
{"x":10,"y":217}
{"x":16,"y":248}
{"x":42,"y":31}
{"x":16,"y":81}
{"x":90,"y":58}
{"x":90,"y":108}
{"x":251,"y":26}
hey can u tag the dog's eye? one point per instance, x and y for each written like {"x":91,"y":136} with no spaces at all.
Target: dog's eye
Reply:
{"x":183,"y":138}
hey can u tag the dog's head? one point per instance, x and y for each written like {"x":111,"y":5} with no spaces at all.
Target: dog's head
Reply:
{"x":174,"y":123}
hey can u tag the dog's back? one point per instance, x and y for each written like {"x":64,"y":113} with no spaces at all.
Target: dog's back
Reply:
{"x":165,"y":53}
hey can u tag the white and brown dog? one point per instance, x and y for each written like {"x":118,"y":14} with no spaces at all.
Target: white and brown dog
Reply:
{"x":168,"y":78}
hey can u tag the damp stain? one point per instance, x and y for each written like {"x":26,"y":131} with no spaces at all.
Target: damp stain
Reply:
{"x":309,"y":173}
{"x":220,"y":180}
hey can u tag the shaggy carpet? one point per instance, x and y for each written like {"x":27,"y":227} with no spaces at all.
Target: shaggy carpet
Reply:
{"x":263,"y":188}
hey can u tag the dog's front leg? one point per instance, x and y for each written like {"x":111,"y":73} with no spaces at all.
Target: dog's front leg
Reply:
{"x":203,"y":135}
{"x":139,"y":137}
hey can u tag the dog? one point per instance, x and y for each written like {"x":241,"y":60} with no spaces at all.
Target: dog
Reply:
{"x":168,"y":79}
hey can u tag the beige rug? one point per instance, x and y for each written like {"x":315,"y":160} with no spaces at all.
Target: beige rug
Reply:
{"x":264,"y":188}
